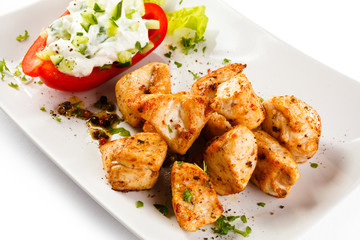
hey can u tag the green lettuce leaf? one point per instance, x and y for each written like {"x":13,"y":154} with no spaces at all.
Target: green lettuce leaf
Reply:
{"x":193,"y":18}
{"x":158,"y":2}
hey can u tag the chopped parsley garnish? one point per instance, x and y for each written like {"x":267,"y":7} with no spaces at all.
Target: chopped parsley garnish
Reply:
{"x":179,"y":163}
{"x":203,"y":50}
{"x":13,"y":85}
{"x":261,"y":204}
{"x":223,"y":226}
{"x":178,"y":64}
{"x":43,"y":109}
{"x":181,"y":2}
{"x":24,"y":79}
{"x":77,"y":104}
{"x":162,"y":208}
{"x":57,"y":118}
{"x":187,"y":196}
{"x":261,"y":99}
{"x":244,"y":233}
{"x":190,"y":43}
{"x":169,"y":128}
{"x":243,"y":219}
{"x":17,"y":73}
{"x":314,"y":165}
{"x":23,"y":37}
{"x":40,"y":82}
{"x":172,"y":48}
{"x":3,"y":68}
{"x":139,"y":204}
{"x":232,"y":218}
{"x":187,"y":45}
{"x":122,"y":132}
{"x":17,"y":70}
{"x":168,"y":55}
{"x":225,"y":61}
{"x":195,"y":75}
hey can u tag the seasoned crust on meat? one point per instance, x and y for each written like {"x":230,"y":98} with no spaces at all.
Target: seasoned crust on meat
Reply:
{"x":178,"y":118}
{"x":203,"y":206}
{"x":208,"y":84}
{"x":276,"y":171}
{"x":295,"y":124}
{"x":237,"y":101}
{"x":147,"y":127}
{"x":216,"y":126}
{"x":231,"y":159}
{"x":149,"y":79}
{"x":133,"y":163}
{"x":233,"y":95}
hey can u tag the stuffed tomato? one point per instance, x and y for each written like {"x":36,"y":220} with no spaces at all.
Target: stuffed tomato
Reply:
{"x":93,"y":41}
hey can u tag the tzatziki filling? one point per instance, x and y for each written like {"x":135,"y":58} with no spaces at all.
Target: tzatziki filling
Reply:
{"x":97,"y":33}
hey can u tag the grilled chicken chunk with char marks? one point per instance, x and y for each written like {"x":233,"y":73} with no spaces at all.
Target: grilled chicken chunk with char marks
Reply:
{"x":133,"y":163}
{"x":150,"y":79}
{"x":194,"y":199}
{"x":233,"y":95}
{"x":147,"y":127}
{"x":208,"y":84}
{"x":178,"y":118}
{"x":276,"y":171}
{"x":295,"y":124}
{"x":216,"y":126}
{"x":231,"y":159}
{"x":237,"y":101}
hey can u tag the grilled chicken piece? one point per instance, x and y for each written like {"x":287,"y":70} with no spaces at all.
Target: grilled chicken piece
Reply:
{"x":133,"y":163}
{"x":233,"y":95}
{"x":237,"y":101}
{"x":194,"y":199}
{"x":178,"y":118}
{"x":147,"y":127}
{"x":208,"y":84}
{"x":216,"y":126}
{"x":151,"y":78}
{"x":276,"y":171}
{"x":231,"y":159}
{"x":183,"y":93}
{"x":295,"y":124}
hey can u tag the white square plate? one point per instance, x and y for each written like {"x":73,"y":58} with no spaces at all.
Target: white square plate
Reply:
{"x":274,"y":68}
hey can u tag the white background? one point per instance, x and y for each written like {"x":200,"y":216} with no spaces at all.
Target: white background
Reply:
{"x":38,"y":201}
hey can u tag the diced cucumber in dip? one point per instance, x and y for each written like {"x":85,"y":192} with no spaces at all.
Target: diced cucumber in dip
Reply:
{"x":97,"y":33}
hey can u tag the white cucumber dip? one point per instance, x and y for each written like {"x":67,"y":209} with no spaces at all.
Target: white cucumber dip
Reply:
{"x":97,"y":33}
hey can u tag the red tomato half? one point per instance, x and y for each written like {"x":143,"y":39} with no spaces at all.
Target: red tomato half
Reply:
{"x":52,"y":77}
